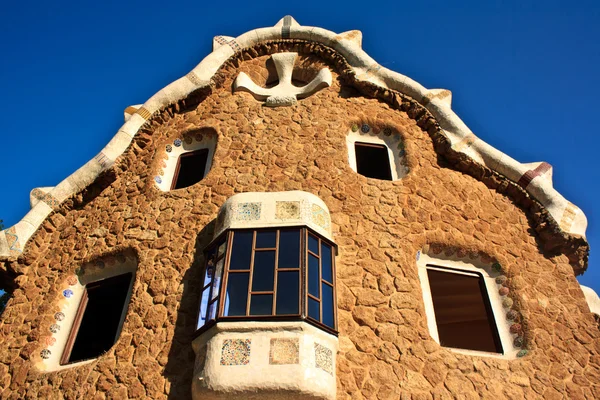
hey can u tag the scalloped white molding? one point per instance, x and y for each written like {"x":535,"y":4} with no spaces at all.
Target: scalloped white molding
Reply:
{"x":570,"y":218}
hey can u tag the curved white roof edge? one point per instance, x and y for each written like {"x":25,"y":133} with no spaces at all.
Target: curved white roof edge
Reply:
{"x":592,"y":299}
{"x":535,"y":177}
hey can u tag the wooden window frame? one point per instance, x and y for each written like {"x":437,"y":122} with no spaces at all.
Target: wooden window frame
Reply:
{"x":486,"y":303}
{"x":178,"y":167}
{"x":66,"y":354}
{"x":302,"y":270}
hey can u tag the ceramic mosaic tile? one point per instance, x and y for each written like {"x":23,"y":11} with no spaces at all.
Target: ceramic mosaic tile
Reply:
{"x":13,"y":241}
{"x":72,"y":280}
{"x":49,"y":340}
{"x":67,"y":293}
{"x":284,"y":351}
{"x":324,"y":358}
{"x":45,"y":354}
{"x":54,"y":328}
{"x":320,"y":217}
{"x":235,"y":352}
{"x":287,"y":210}
{"x":47,"y":198}
{"x":59,"y":316}
{"x":247,"y":211}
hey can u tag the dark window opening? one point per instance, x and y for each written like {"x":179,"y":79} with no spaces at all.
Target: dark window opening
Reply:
{"x":267,"y":273}
{"x":463,"y":313}
{"x":190,"y":168}
{"x":372,"y":160}
{"x":98,"y":322}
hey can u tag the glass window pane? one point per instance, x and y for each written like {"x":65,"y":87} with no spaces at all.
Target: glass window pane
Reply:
{"x":313,"y":244}
{"x":203,"y":307}
{"x":327,"y":305}
{"x":287,"y":292}
{"x":208,"y":274}
{"x":217,"y":280}
{"x":261,"y":304}
{"x":212,"y":310}
{"x":461,"y":314}
{"x":241,"y":250}
{"x":237,"y":294}
{"x":265,"y":239}
{"x":289,"y":249}
{"x":313,"y":275}
{"x":327,"y":271}
{"x":221,"y":248}
{"x":263,"y":276}
{"x":313,"y":309}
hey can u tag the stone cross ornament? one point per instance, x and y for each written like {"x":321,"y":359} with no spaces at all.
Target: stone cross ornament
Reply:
{"x":285,"y":93}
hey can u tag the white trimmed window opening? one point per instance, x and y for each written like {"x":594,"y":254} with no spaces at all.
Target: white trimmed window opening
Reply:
{"x":452,"y":290}
{"x":367,"y":147}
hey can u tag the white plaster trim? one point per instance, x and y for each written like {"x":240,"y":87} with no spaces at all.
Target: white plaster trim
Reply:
{"x":592,"y":299}
{"x":209,"y":141}
{"x":503,"y":325}
{"x":312,"y":212}
{"x":259,"y":379}
{"x":71,"y":305}
{"x":391,"y":142}
{"x":573,"y":221}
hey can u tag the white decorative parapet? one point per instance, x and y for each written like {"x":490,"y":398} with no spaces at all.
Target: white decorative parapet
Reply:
{"x":274,"y":209}
{"x":265,"y":360}
{"x":535,"y":181}
{"x":285,"y":93}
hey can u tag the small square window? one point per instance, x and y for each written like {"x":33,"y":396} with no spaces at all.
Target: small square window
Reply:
{"x":190,"y":168}
{"x":372,"y":160}
{"x":99,"y":318}
{"x":462,"y":309}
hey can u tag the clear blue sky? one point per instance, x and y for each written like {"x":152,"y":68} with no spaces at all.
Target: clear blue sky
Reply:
{"x":524,"y":76}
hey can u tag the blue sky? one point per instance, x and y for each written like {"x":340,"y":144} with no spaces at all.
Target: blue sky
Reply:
{"x":524,"y":76}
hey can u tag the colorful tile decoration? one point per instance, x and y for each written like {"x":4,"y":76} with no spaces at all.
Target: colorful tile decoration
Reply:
{"x":49,"y":340}
{"x":13,"y":241}
{"x":54,"y":328}
{"x":45,"y":354}
{"x":142,"y":112}
{"x":59,"y":316}
{"x":67,"y":293}
{"x":102,"y":159}
{"x":568,"y":216}
{"x":177,"y":142}
{"x":287,"y":210}
{"x":47,"y":198}
{"x":320,"y":217}
{"x":418,"y":255}
{"x":354,"y":128}
{"x":324,"y":358}
{"x":284,"y":351}
{"x":247,"y":211}
{"x":365,"y":128}
{"x":169,"y":148}
{"x":235,"y":352}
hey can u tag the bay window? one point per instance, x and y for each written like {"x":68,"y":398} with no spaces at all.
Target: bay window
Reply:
{"x":261,"y":274}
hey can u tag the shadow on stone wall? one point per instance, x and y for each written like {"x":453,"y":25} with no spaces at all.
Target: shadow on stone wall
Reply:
{"x":180,"y":365}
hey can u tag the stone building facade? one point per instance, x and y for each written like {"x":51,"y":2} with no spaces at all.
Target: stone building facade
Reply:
{"x":282,"y":120}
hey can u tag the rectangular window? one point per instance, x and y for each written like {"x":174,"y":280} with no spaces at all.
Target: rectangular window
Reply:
{"x":320,"y":294}
{"x":99,"y":317}
{"x":190,"y":168}
{"x":372,"y":160}
{"x":463,"y":313}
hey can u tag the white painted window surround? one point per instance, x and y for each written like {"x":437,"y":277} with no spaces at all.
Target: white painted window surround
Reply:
{"x":392,"y":143}
{"x":179,"y":147}
{"x":71,"y":305}
{"x":503,"y":325}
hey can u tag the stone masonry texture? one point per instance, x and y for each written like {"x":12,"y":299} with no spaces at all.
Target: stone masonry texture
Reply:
{"x":386,"y":351}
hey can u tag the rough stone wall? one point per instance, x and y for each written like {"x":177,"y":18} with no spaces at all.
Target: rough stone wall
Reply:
{"x":386,"y":351}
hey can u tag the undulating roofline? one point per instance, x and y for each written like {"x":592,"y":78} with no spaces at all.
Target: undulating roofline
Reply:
{"x":535,"y":178}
